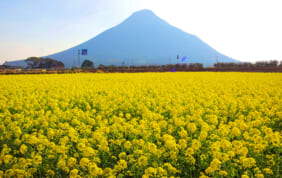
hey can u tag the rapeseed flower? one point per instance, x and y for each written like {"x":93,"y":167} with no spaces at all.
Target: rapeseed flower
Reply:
{"x":143,"y":125}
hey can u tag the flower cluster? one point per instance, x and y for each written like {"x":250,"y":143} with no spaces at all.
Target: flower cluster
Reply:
{"x":141,"y":125}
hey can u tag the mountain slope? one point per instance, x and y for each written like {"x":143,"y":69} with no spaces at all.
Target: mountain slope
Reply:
{"x":142,"y":39}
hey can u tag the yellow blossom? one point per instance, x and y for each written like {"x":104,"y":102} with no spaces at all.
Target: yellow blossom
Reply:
{"x":83,"y":163}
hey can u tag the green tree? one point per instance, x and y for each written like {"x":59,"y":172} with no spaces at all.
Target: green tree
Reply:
{"x":87,"y":64}
{"x":43,"y":63}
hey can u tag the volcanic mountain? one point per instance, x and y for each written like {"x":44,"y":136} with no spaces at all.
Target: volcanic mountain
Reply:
{"x":142,"y":39}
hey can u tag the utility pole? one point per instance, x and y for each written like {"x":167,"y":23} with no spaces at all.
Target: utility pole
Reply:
{"x":217,"y":64}
{"x":79,"y":58}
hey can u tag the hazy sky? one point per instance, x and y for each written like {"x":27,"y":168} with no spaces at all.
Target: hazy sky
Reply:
{"x":246,"y":30}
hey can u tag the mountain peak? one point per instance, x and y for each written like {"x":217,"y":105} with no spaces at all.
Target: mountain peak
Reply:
{"x":144,"y":12}
{"x":143,"y":16}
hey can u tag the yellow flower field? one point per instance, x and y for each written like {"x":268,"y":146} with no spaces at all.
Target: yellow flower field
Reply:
{"x":141,"y":125}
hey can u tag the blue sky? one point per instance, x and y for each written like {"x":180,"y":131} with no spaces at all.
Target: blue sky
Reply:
{"x":247,"y":30}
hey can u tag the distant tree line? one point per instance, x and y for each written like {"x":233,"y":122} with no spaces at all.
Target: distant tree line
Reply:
{"x":4,"y":67}
{"x":37,"y":63}
{"x":166,"y":66}
{"x":259,"y":64}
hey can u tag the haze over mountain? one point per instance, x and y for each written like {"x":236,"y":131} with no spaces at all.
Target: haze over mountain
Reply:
{"x":141,"y":39}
